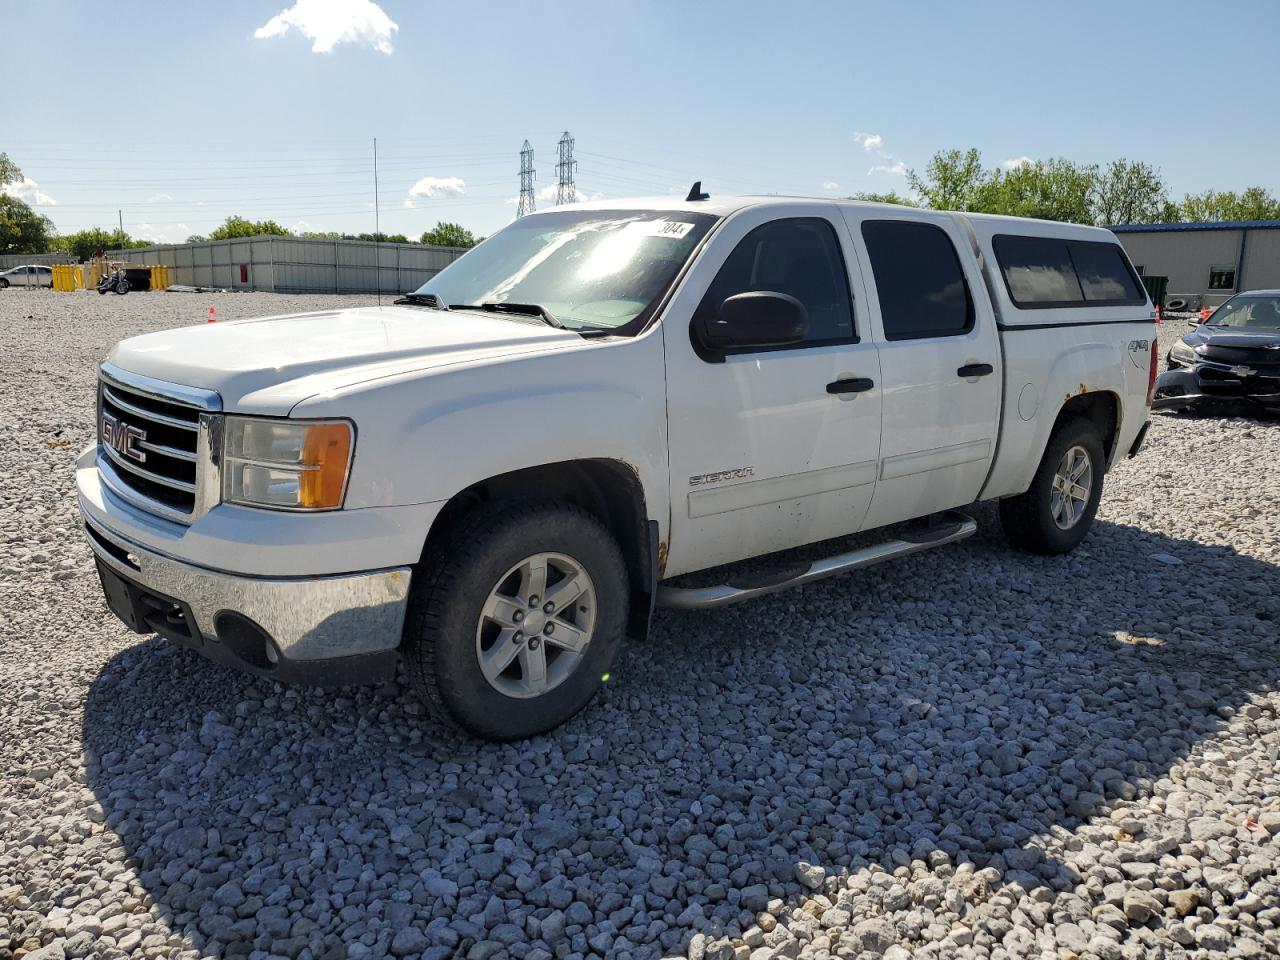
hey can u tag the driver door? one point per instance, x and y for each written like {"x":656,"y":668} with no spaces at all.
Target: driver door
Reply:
{"x":771,"y":446}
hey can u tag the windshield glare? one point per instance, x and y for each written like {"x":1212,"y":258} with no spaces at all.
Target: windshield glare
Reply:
{"x":590,"y":268}
{"x":1253,"y":312}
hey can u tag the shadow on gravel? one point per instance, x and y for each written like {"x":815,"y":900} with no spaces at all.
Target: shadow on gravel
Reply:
{"x":964,"y":700}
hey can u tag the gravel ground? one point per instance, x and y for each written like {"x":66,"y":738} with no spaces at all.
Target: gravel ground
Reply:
{"x":969,"y":753}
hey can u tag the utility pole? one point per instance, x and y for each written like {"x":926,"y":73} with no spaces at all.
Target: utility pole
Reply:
{"x":566,"y":191}
{"x":120,"y":216}
{"x":527,"y":176}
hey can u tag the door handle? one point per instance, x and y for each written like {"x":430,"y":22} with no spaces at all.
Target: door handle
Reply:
{"x":975,"y":370}
{"x":851,"y":385}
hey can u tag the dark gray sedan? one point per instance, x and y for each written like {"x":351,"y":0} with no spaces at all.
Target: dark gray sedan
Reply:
{"x":1233,"y":356}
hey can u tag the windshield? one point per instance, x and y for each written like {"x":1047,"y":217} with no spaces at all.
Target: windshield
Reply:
{"x":1256,"y":313}
{"x":589,"y":268}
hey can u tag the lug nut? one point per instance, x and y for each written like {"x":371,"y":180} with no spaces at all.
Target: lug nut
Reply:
{"x":534,"y":643}
{"x":548,"y":607}
{"x":549,"y":629}
{"x":533,"y":601}
{"x":518,"y":616}
{"x":518,"y":637}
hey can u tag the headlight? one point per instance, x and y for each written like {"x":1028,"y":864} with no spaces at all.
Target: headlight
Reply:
{"x":286,"y":464}
{"x":1183,"y":353}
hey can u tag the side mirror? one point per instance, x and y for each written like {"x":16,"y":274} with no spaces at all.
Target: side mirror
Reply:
{"x":760,"y":318}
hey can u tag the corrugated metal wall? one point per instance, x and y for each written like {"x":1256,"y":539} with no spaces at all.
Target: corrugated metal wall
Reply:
{"x":1262,"y":260}
{"x":296,"y":265}
{"x":8,"y":260}
{"x":1186,"y":257}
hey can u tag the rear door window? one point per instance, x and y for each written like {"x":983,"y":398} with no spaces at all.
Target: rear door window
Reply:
{"x":919,"y":280}
{"x":1052,"y":272}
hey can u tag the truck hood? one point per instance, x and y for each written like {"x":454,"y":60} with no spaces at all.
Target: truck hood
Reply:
{"x":269,"y":365}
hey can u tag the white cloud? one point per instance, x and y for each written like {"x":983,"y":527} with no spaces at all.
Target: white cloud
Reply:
{"x":300,"y":227}
{"x":168,"y":233}
{"x":29,"y":191}
{"x":549,"y":193}
{"x":327,"y":23}
{"x":830,"y":185}
{"x":160,"y":198}
{"x":869,"y":141}
{"x":897,"y":167}
{"x":435,"y":186}
{"x":1017,"y":162}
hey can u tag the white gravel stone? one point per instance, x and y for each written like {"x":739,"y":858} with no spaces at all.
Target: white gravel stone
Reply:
{"x":968,"y":753}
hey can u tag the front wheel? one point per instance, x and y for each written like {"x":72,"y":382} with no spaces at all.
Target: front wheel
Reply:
{"x":4,"y":284}
{"x":1057,"y":510}
{"x":513,"y":625}
{"x":122,"y":286}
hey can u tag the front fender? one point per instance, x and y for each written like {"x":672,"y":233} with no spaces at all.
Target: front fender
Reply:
{"x":425,"y":438}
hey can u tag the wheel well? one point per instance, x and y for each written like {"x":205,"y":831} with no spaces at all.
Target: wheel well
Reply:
{"x":1102,"y":408}
{"x":607,"y":489}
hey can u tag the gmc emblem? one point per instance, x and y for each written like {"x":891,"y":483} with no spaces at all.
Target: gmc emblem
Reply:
{"x":123,"y":438}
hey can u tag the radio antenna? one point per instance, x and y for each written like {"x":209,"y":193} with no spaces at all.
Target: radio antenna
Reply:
{"x":377,"y":228}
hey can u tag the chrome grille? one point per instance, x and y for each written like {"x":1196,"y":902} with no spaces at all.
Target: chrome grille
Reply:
{"x":156,"y":443}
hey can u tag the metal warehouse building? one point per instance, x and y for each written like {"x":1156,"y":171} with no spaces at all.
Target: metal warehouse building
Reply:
{"x":297,"y":265}
{"x":1206,"y":262}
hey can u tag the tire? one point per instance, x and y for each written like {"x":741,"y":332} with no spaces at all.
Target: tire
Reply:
{"x":1034,"y":521}
{"x":4,"y":284}
{"x":122,"y":287}
{"x":102,"y":290}
{"x":486,"y":557}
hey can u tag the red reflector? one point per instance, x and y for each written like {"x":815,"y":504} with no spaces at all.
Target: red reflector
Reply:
{"x":1151,"y":378}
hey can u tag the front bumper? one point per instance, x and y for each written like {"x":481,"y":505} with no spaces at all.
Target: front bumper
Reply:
{"x":321,"y":630}
{"x":1185,"y":387}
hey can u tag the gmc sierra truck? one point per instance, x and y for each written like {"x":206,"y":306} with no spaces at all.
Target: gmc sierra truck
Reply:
{"x":498,"y":477}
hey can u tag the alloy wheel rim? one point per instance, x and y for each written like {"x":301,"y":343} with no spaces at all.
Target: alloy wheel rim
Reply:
{"x":1071,"y":487}
{"x":536,"y":625}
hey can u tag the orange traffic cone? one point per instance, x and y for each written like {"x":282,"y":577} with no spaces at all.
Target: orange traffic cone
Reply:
{"x":1204,"y":314}
{"x":1157,"y":313}
{"x":211,"y":316}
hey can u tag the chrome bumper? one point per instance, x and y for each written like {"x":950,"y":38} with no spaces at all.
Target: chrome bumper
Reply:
{"x":312,"y":624}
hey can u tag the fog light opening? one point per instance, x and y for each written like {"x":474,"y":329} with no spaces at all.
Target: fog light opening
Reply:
{"x":246,"y":640}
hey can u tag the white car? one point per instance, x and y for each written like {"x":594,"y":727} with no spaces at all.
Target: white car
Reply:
{"x":36,"y":275}
{"x":498,"y":477}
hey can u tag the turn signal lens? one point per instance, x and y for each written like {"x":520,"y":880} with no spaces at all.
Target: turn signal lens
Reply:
{"x":327,"y":450}
{"x":286,"y":464}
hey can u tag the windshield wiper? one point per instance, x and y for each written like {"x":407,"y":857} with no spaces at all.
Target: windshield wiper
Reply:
{"x":424,"y":300}
{"x":525,"y":309}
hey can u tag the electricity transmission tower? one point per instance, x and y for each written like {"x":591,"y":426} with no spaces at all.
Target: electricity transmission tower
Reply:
{"x":526,"y":181}
{"x":566,"y":192}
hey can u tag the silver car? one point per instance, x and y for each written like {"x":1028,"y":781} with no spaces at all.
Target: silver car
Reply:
{"x":29,"y":276}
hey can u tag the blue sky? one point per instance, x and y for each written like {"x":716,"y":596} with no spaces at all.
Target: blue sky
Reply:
{"x":798,"y":97}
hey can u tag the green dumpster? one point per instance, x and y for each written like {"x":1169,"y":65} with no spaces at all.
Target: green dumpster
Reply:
{"x":1157,"y":287}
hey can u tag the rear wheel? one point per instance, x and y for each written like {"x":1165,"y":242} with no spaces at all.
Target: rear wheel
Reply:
{"x":1057,"y":510}
{"x":3,"y":283}
{"x":513,"y":625}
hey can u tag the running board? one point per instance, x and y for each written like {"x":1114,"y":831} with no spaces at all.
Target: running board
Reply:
{"x":953,"y":527}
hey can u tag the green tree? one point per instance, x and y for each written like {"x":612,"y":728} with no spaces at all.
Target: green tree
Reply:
{"x":450,"y":235}
{"x":197,"y":238}
{"x":1253,"y":203}
{"x":1053,"y":189}
{"x":9,"y":172}
{"x":235,"y":227}
{"x":891,"y":197}
{"x":22,"y":230}
{"x":952,"y":180}
{"x":378,"y":237}
{"x":1128,"y":191}
{"x":84,"y":243}
{"x":320,"y":235}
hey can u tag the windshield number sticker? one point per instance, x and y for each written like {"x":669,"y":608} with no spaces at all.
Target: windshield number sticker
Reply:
{"x":667,"y":228}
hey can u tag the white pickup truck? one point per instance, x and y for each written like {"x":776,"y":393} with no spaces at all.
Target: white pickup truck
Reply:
{"x":497,"y":478}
